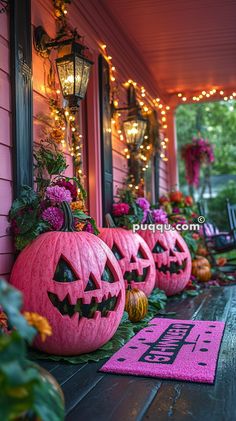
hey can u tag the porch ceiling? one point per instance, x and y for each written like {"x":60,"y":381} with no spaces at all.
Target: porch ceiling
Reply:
{"x":187,"y":45}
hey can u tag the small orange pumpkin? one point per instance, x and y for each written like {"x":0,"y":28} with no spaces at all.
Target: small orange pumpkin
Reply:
{"x":201,"y":269}
{"x":136,"y":304}
{"x":202,"y":251}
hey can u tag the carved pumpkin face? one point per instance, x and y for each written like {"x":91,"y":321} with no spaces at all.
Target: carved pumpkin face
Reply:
{"x":172,"y":259}
{"x":72,"y":279}
{"x":134,"y":257}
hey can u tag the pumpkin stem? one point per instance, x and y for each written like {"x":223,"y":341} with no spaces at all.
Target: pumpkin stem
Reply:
{"x":109,"y":221}
{"x":68,"y":225}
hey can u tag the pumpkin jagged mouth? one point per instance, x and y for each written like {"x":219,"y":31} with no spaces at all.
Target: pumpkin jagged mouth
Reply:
{"x":134,"y":275}
{"x":174,"y":267}
{"x":85,"y":310}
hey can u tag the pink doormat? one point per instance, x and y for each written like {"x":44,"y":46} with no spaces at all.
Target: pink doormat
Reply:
{"x":171,"y":349}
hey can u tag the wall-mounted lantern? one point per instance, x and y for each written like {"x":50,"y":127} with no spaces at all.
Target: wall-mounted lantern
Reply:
{"x":73,"y":67}
{"x":135,"y":124}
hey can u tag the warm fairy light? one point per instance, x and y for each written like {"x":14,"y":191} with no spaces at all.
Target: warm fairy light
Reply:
{"x":58,"y":91}
{"x":148,"y":147}
{"x":121,"y":137}
{"x":141,"y":147}
{"x":166,"y":139}
{"x":141,"y":103}
{"x":104,"y":46}
{"x":225,"y":98}
{"x":163,"y":112}
{"x":162,"y":155}
{"x":113,"y":68}
{"x":165,"y":159}
{"x":221,"y":92}
{"x":116,"y":103}
{"x":160,"y":106}
{"x":113,"y":78}
{"x":145,"y":137}
{"x":203,"y":92}
{"x":163,"y":119}
{"x":184,"y":98}
{"x":207,"y":95}
{"x":73,"y":129}
{"x":180,"y":95}
{"x":126,"y":150}
{"x":167,"y":107}
{"x":165,"y":126}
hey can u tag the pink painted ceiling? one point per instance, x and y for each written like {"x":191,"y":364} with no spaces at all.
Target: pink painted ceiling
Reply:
{"x":187,"y":45}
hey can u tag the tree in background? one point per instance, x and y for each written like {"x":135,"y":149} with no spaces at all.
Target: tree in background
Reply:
{"x":215,"y":121}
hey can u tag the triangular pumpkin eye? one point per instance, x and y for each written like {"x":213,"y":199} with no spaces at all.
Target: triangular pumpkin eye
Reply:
{"x":107,"y":275}
{"x":158,"y":248}
{"x":178,"y":247}
{"x":141,"y":253}
{"x":117,"y":253}
{"x":64,"y":272}
{"x":91,"y":285}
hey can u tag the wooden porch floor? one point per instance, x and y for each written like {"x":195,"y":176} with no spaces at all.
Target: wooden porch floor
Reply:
{"x":94,"y":396}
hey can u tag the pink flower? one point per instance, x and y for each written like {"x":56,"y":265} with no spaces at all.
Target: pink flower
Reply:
{"x":54,"y":216}
{"x":120,"y":209}
{"x":58,"y":194}
{"x":159,"y":216}
{"x":68,"y":186}
{"x":143,"y":203}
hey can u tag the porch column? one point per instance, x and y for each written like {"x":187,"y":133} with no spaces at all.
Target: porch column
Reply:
{"x":172,"y":151}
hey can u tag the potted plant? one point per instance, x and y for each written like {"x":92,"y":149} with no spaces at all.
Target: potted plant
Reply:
{"x":26,"y":391}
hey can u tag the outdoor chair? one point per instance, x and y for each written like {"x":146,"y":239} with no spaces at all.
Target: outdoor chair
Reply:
{"x":219,"y":242}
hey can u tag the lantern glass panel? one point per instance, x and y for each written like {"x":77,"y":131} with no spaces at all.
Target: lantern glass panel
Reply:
{"x":82,"y":70}
{"x":66,"y":75}
{"x":134,"y":131}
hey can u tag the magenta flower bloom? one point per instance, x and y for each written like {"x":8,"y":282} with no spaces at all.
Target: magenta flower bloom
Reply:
{"x":89,"y":228}
{"x":159,"y":216}
{"x":120,"y":209}
{"x":58,"y":194}
{"x":54,"y":216}
{"x":143,"y":203}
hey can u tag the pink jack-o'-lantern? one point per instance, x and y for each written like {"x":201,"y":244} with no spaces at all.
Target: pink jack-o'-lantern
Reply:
{"x":172,"y":259}
{"x":74,"y":280}
{"x":134,"y":257}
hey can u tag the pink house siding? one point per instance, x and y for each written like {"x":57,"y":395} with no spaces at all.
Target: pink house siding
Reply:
{"x":6,"y":247}
{"x":42,"y":14}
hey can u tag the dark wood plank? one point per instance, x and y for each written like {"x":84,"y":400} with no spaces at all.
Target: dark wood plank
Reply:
{"x":65,"y":371}
{"x":191,"y":401}
{"x":48,"y":365}
{"x":126,"y":397}
{"x":79,"y":385}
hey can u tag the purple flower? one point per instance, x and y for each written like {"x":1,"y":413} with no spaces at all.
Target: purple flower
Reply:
{"x":54,"y":216}
{"x":58,"y":194}
{"x":176,"y":210}
{"x":143,"y":203}
{"x":159,"y":216}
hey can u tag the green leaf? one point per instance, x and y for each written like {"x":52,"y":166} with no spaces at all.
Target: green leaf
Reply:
{"x":11,"y":302}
